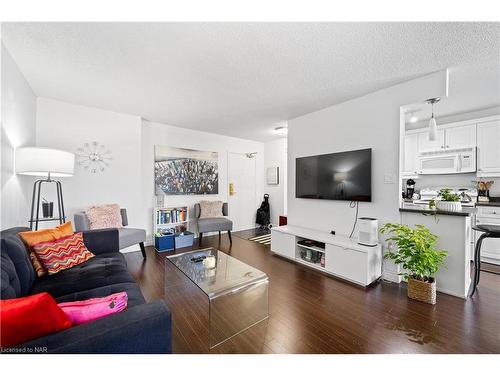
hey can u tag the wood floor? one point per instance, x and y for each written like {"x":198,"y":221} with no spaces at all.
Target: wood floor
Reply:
{"x":310,"y":312}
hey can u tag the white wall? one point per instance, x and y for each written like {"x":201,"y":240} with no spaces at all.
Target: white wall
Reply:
{"x":275,"y":156}
{"x":160,"y":134}
{"x":18,"y":129}
{"x":67,"y":126}
{"x":372,"y":121}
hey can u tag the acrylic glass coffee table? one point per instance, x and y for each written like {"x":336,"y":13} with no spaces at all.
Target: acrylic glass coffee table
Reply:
{"x":237,"y":292}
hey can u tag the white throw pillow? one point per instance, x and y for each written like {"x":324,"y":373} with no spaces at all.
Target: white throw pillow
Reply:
{"x":210,"y":209}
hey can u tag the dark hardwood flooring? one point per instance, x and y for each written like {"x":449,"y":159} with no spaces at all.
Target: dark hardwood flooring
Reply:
{"x":310,"y":312}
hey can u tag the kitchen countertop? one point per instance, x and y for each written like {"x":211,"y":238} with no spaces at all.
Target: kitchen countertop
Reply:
{"x":466,"y":211}
{"x":489,"y":204}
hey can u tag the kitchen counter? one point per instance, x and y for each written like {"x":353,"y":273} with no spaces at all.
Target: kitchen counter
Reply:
{"x":489,"y":204}
{"x":466,"y":211}
{"x":454,"y":231}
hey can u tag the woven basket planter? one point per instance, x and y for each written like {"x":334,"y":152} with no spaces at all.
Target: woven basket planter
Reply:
{"x":422,"y":291}
{"x":449,"y":206}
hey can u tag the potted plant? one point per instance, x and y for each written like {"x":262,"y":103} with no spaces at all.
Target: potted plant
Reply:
{"x":417,"y":254}
{"x":449,"y":201}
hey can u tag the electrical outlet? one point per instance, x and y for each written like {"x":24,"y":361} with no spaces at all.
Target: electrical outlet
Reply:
{"x":389,"y":178}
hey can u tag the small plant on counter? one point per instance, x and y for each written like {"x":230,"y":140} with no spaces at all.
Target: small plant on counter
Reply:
{"x":450,"y":201}
{"x":448,"y":195}
{"x":418,"y":257}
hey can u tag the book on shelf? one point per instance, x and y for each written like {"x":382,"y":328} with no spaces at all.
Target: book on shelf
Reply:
{"x":171,"y":215}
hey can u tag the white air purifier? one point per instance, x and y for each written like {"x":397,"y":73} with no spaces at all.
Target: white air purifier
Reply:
{"x":368,"y":231}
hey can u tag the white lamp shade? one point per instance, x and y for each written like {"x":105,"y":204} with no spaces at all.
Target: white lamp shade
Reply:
{"x":432,"y":129}
{"x":40,"y":161}
{"x":340,"y":176}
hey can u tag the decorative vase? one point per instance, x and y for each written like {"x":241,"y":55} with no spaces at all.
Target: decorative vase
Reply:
{"x":422,"y":291}
{"x":449,"y":206}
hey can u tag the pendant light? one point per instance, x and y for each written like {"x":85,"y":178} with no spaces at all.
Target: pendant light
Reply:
{"x":432,"y":121}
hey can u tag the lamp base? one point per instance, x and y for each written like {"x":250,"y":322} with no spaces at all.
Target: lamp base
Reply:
{"x":35,"y":209}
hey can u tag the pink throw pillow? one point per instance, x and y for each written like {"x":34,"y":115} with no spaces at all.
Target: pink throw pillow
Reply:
{"x":80,"y":312}
{"x":104,"y":216}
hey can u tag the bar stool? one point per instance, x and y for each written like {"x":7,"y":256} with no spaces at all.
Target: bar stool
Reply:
{"x":489,"y":231}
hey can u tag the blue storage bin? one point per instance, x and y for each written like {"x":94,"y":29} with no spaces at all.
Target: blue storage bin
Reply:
{"x":184,"y":239}
{"x":165,"y":242}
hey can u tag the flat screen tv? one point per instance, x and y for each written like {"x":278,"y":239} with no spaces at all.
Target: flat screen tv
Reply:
{"x":339,"y":176}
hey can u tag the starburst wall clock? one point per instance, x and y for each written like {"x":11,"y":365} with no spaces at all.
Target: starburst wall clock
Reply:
{"x":93,"y":157}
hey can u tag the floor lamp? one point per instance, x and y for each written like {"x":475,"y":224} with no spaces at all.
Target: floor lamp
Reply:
{"x":46,"y":162}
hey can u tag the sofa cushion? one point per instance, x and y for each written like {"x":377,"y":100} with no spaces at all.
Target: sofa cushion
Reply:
{"x":102,"y":270}
{"x":22,"y":274}
{"x":64,"y":253}
{"x":214,"y":224}
{"x":33,"y":237}
{"x":130,"y":236}
{"x":10,"y":286}
{"x":27,"y":318}
{"x":133,"y":292}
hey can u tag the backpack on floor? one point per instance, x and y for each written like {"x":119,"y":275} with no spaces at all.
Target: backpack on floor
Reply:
{"x":263,"y":213}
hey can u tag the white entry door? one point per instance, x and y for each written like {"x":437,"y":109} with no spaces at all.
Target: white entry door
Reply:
{"x":242,"y":196}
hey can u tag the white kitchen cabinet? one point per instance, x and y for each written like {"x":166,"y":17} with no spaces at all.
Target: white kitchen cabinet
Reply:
{"x":410,"y":162}
{"x":460,"y":136}
{"x":488,"y":149}
{"x":425,"y":145}
{"x":490,"y":248}
{"x":448,"y":137}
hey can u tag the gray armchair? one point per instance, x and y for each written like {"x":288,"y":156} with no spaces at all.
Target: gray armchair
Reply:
{"x":213,"y":224}
{"x":126,"y":236}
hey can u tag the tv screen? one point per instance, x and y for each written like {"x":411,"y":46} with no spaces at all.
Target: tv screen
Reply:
{"x":339,"y":176}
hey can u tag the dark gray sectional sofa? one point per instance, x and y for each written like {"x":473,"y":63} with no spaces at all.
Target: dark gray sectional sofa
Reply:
{"x":141,"y":328}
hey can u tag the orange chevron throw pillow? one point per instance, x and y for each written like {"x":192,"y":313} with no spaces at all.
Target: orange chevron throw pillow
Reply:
{"x":32,"y":238}
{"x":62,"y":253}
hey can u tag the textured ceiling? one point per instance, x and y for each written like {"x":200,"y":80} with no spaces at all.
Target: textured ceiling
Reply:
{"x":238,"y":79}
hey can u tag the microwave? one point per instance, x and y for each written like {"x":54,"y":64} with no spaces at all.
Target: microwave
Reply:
{"x":447,"y":161}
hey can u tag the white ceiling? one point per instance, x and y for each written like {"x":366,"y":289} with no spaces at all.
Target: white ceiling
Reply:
{"x":472,"y":87}
{"x":238,"y":79}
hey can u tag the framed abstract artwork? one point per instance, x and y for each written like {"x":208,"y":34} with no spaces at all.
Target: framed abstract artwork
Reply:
{"x":181,"y":171}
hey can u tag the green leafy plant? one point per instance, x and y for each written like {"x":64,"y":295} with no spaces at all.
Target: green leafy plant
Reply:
{"x":447,"y":195}
{"x":416,"y":251}
{"x":432,"y":204}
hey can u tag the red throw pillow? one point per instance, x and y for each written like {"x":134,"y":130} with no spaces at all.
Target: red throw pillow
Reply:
{"x":63,"y":253}
{"x":27,"y":318}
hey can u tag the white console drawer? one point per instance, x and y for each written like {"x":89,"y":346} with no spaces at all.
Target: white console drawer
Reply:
{"x":283,"y":244}
{"x":347,"y":263}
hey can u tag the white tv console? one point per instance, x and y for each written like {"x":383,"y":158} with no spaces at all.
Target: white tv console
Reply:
{"x":344,"y":257}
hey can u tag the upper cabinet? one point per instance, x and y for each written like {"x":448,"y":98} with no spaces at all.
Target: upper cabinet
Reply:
{"x":425,"y":145}
{"x":410,"y":161}
{"x":488,"y":149}
{"x":482,"y":133}
{"x":448,"y":138}
{"x":460,"y":136}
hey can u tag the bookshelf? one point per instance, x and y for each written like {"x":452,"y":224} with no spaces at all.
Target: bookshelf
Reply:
{"x":168,"y":219}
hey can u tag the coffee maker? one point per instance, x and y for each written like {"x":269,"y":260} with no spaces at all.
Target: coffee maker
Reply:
{"x":410,"y":188}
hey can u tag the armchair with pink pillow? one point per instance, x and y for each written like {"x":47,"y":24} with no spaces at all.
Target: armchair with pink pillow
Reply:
{"x":111,"y":216}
